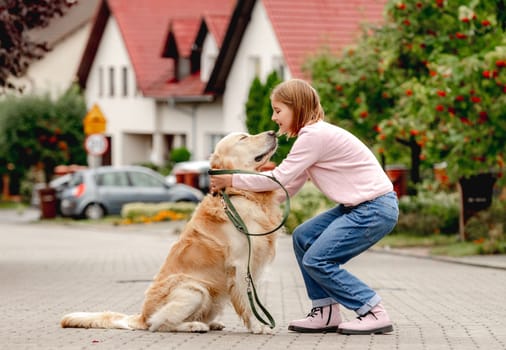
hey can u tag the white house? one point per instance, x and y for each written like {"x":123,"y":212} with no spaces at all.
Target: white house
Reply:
{"x":167,"y":76}
{"x":66,"y":37}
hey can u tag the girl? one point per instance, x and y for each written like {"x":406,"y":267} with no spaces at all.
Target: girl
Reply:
{"x":347,"y":172}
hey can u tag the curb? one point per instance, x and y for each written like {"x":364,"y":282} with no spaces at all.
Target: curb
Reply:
{"x":460,"y":261}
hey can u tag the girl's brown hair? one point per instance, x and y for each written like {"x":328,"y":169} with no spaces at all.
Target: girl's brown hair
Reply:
{"x":302,"y":99}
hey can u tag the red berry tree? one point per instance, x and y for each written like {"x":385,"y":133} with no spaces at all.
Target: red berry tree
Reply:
{"x":432,"y":78}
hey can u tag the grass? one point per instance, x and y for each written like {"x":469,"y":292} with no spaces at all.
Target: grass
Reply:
{"x":457,"y":249}
{"x":448,"y":245}
{"x":405,"y":240}
{"x":12,"y":205}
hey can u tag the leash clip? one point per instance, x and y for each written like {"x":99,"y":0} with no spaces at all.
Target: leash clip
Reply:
{"x":222,"y":200}
{"x":249,"y":281}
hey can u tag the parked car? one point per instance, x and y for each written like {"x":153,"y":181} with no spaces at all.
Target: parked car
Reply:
{"x":200,"y":167}
{"x":94,"y":193}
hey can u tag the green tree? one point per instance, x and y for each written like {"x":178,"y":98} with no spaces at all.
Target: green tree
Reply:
{"x":34,"y":130}
{"x":259,"y":113}
{"x":432,"y":78}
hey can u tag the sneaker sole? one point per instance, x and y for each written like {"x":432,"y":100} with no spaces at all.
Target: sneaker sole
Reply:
{"x":312,"y":330}
{"x":382,"y":330}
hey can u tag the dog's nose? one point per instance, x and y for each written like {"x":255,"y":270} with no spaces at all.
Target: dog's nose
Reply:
{"x":271,"y":133}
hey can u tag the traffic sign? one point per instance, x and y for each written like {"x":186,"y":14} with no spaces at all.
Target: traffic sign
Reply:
{"x":94,"y":122}
{"x":96,"y":144}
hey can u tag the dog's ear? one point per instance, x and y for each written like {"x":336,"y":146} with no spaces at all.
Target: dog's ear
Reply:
{"x":216,"y":161}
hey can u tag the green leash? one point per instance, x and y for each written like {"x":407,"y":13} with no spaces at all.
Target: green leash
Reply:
{"x":236,"y":219}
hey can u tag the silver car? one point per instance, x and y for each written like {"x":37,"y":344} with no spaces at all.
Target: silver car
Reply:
{"x":94,"y":193}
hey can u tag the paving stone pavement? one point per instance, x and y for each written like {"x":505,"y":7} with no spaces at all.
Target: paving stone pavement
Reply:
{"x":49,"y":269}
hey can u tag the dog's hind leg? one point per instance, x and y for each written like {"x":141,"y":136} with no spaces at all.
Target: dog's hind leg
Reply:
{"x":186,"y":306}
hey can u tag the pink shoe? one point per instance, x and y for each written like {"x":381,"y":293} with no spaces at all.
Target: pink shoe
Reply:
{"x":375,"y":321}
{"x":320,"y":320}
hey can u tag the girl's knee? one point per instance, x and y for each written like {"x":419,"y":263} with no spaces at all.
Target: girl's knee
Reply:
{"x":310,"y":262}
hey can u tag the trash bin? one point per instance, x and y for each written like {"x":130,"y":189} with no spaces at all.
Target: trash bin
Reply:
{"x":190,"y":178}
{"x":47,"y":197}
{"x":398,"y":174}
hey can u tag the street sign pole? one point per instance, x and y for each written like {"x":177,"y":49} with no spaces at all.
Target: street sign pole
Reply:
{"x":96,"y":143}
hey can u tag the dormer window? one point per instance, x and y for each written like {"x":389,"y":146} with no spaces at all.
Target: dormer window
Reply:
{"x":181,"y":47}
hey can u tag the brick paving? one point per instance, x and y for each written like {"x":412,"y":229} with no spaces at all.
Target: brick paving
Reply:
{"x":49,"y":269}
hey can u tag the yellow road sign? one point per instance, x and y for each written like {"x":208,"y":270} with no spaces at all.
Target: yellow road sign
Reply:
{"x":94,"y":122}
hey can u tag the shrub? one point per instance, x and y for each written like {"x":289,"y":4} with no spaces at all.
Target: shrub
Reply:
{"x":421,"y":215}
{"x":429,"y":213}
{"x":180,"y":154}
{"x":36,"y":131}
{"x":306,"y":204}
{"x":155,"y":212}
{"x":486,"y":228}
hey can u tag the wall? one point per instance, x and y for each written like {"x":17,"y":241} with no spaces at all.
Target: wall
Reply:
{"x":259,"y":42}
{"x":131,"y":114}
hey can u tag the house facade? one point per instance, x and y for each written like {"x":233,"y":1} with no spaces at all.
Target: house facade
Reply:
{"x":167,"y":74}
{"x":66,"y":37}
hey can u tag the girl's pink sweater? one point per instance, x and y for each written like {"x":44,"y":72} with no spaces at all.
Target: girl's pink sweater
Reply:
{"x":336,"y":161}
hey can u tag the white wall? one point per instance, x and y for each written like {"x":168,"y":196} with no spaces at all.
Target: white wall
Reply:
{"x":210,"y":52}
{"x":55,"y":72}
{"x":138,"y":125}
{"x":131,"y":114}
{"x":259,"y":42}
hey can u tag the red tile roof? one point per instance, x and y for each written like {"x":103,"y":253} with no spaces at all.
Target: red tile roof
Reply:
{"x":217,"y":25}
{"x":303,"y":27}
{"x":144,"y":25}
{"x":185,"y":31}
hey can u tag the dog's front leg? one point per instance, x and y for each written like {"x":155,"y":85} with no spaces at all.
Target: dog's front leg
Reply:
{"x":238,"y":288}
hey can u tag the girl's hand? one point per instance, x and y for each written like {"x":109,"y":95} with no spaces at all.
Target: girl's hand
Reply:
{"x":219,"y":182}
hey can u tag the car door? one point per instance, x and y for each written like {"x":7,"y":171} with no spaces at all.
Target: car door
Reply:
{"x":114,"y":190}
{"x":148,"y":188}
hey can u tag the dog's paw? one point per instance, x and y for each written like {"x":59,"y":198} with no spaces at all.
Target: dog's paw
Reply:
{"x":258,"y":328}
{"x":216,"y":326}
{"x":193,"y":327}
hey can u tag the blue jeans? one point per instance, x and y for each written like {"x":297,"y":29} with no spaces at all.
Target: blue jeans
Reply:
{"x":325,"y":242}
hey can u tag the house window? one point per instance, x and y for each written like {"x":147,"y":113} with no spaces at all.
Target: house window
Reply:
{"x":100,"y":82}
{"x":124,"y":73}
{"x":254,"y":67}
{"x":111,"y":81}
{"x":278,"y":65}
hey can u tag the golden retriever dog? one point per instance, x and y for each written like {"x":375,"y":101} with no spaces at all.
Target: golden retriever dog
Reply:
{"x":207,"y":266}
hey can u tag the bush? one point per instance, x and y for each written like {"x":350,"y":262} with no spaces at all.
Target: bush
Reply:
{"x":486,"y":228}
{"x":306,"y":204}
{"x":429,"y":213}
{"x":180,"y":154}
{"x":155,"y":212}
{"x":37,"y":131}
{"x":421,"y":215}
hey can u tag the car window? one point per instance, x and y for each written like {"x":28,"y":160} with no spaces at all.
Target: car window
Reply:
{"x":144,"y":180}
{"x":113,"y":179}
{"x":76,"y":180}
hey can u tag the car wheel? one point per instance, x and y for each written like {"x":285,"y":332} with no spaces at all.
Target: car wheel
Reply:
{"x":94,"y":211}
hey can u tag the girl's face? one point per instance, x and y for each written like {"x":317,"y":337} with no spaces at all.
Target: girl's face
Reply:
{"x":283,"y":116}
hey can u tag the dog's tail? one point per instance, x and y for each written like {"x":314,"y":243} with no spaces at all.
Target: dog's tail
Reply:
{"x":103,"y":320}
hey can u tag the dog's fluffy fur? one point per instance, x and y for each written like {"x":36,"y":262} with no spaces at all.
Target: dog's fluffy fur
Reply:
{"x":207,"y":266}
